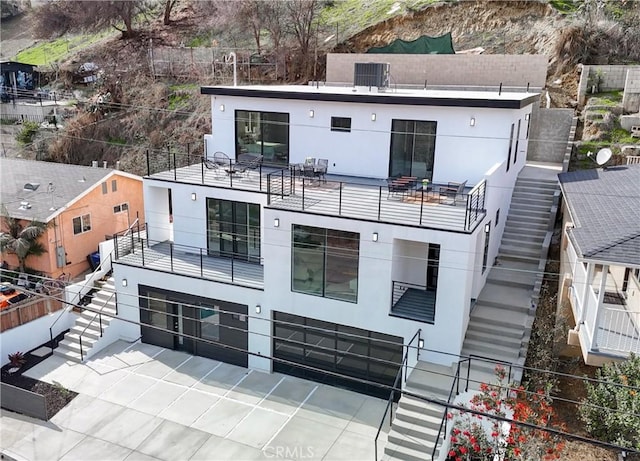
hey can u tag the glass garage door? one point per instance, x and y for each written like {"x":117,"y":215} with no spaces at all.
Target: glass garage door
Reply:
{"x":316,"y":346}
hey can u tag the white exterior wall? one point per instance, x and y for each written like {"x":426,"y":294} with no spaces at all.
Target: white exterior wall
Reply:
{"x":32,"y":334}
{"x":462,"y":152}
{"x":375,"y":276}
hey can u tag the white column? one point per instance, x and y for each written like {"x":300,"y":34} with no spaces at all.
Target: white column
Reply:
{"x":599,"y":307}
{"x":585,"y":292}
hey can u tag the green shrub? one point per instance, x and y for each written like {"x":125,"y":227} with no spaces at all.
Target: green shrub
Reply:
{"x":27,"y":133}
{"x":612,"y":405}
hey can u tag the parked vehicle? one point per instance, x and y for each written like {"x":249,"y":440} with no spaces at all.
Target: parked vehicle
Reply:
{"x":10,"y":296}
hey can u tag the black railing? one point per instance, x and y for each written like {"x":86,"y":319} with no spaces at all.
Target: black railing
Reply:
{"x":419,"y":307}
{"x":398,"y":381}
{"x":125,"y":241}
{"x":455,"y":385}
{"x":475,"y":210}
{"x":239,"y":269}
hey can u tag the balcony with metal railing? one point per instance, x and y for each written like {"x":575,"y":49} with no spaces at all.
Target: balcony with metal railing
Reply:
{"x":359,"y":198}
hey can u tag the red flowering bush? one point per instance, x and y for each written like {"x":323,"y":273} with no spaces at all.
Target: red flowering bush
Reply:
{"x":477,"y":437}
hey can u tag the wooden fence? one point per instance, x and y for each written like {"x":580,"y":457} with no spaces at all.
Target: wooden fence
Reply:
{"x":27,"y":311}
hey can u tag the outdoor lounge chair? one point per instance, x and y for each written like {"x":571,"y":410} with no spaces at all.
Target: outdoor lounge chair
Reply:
{"x":212,"y":165}
{"x":247,"y":163}
{"x":320,"y":170}
{"x":395,"y":187}
{"x":452,"y":190}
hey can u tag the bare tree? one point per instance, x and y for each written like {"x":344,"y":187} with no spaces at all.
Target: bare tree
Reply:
{"x":59,"y":16}
{"x":168,"y":7}
{"x":303,"y":16}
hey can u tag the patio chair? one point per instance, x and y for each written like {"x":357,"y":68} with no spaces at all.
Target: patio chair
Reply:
{"x":222,"y":159}
{"x":320,"y":170}
{"x":394,"y":187}
{"x":310,"y":161}
{"x":452,"y":190}
{"x":211,"y":165}
{"x":247,"y":163}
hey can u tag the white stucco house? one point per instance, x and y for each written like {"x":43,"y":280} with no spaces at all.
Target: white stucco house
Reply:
{"x":335,"y":271}
{"x":601,"y":254}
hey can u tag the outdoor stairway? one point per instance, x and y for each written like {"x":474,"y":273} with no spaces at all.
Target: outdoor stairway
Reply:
{"x":88,"y":323}
{"x":500,"y":323}
{"x":416,"y":422}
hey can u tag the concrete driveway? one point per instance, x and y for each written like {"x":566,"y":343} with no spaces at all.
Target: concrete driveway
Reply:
{"x":142,"y":402}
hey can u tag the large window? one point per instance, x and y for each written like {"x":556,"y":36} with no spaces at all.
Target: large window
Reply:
{"x":341,"y":124}
{"x":325,"y":262}
{"x":413,"y":145}
{"x":82,"y":224}
{"x":233,"y":229}
{"x":264,"y":133}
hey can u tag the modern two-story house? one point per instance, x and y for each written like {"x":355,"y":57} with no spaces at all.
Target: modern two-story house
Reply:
{"x":601,"y":255}
{"x":329,"y":274}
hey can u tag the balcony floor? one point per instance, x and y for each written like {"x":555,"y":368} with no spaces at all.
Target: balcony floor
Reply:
{"x":360,"y":198}
{"x":158,"y":257}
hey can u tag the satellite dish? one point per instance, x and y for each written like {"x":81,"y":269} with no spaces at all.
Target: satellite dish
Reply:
{"x":603,"y":156}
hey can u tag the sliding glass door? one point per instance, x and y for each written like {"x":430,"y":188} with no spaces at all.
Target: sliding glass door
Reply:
{"x":233,"y":229}
{"x":263,"y":133}
{"x":413,"y":145}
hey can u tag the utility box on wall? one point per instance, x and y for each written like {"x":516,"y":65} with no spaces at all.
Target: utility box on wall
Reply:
{"x":61,"y":258}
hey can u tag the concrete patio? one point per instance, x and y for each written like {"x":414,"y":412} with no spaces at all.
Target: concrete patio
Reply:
{"x":143,"y":402}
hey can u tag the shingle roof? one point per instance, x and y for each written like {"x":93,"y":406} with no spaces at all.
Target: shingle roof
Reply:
{"x":605,"y":208}
{"x":68,"y":182}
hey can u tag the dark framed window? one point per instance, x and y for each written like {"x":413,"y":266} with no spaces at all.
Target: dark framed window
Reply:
{"x":497,"y":216}
{"x":114,"y":185}
{"x":487,"y":239}
{"x":325,"y":262}
{"x":513,"y":126}
{"x":515,"y":152}
{"x":81,"y":224}
{"x":104,"y":187}
{"x":263,"y":133}
{"x":120,"y":208}
{"x":233,"y":229}
{"x":341,"y":124}
{"x":412,"y":150}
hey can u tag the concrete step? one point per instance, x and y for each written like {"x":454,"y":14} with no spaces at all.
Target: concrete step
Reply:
{"x":531,"y":214}
{"x":90,"y":332}
{"x":530,"y":205}
{"x":72,"y":344}
{"x":494,"y":337}
{"x":517,"y":258}
{"x":501,"y":275}
{"x":517,"y":250}
{"x":430,"y":420}
{"x":513,"y":299}
{"x":407,"y":441}
{"x":423,"y":407}
{"x":522,"y":243}
{"x":67,"y":354}
{"x":537,"y":196}
{"x":429,"y":378}
{"x":537,"y":184}
{"x":425,"y":435}
{"x":552,"y":182}
{"x":104,"y":297}
{"x":90,"y":316}
{"x":522,"y":224}
{"x":394,"y":451}
{"x":491,"y":349}
{"x":494,"y":331}
{"x":499,"y":317}
{"x":533,"y":235}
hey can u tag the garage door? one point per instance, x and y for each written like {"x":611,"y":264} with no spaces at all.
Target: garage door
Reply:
{"x":358,"y":356}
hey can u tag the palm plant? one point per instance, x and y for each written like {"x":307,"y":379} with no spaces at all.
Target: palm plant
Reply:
{"x":21,"y":239}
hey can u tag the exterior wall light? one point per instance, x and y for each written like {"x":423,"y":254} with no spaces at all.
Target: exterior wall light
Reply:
{"x":487,"y":228}
{"x":276,"y":222}
{"x":258,"y":308}
{"x":472,"y":122}
{"x":221,"y":107}
{"x":373,"y":117}
{"x":527,"y":116}
{"x":124,"y":282}
{"x":421,"y":343}
{"x":311,"y":113}
{"x":374,"y":236}
{"x":194,"y":197}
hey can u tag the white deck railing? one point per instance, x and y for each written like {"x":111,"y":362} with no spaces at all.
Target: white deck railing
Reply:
{"x":619,"y":330}
{"x":633,"y":159}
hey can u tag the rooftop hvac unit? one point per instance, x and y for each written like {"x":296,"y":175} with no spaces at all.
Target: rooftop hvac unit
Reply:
{"x":371,"y":74}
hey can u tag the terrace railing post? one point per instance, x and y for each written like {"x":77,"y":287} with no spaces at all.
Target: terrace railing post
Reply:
{"x":133,"y":244}
{"x":421,"y":204}
{"x":268,"y":189}
{"x":282,"y":184}
{"x":201,"y":265}
{"x":379,"y":202}
{"x":142,"y":249}
{"x":232,"y":265}
{"x":168,"y":157}
{"x":100,"y":320}
{"x":466,"y":387}
{"x":303,"y":188}
{"x":175,"y":168}
{"x":148,"y":164}
{"x":188,"y":153}
{"x":340,"y":200}
{"x":116,"y":247}
{"x":466,"y":215}
{"x":51,"y":338}
{"x":202,"y":170}
{"x":81,"y":355}
{"x":171,"y":254}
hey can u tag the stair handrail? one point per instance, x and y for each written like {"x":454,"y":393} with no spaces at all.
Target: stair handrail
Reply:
{"x":392,"y":394}
{"x":88,"y":284}
{"x":99,"y":315}
{"x":445,"y":419}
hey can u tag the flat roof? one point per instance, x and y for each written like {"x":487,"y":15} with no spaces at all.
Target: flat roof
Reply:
{"x":417,"y":97}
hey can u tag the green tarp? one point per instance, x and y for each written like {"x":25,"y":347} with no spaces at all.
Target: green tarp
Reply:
{"x":422,"y":45}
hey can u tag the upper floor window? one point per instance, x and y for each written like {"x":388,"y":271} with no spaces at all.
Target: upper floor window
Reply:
{"x":120,"y":208}
{"x":82,"y":224}
{"x":325,"y":262}
{"x":263,"y":133}
{"x":341,"y":124}
{"x":104,"y":187}
{"x":114,"y":185}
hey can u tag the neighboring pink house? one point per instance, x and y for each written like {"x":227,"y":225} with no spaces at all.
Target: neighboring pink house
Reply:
{"x":83,"y":205}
